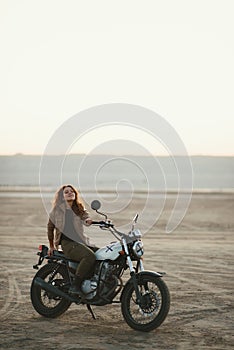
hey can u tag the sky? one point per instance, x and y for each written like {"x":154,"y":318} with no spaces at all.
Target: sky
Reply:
{"x":60,"y":57}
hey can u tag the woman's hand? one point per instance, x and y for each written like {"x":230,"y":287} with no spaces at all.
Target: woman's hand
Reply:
{"x":50,"y":251}
{"x":88,"y":221}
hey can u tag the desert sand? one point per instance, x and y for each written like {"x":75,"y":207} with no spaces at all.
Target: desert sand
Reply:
{"x":198,"y":260}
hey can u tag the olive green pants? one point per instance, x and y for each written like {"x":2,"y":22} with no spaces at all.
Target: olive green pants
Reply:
{"x":81,"y":253}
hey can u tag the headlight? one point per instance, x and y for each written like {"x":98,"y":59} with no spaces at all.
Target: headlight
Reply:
{"x":138,"y":249}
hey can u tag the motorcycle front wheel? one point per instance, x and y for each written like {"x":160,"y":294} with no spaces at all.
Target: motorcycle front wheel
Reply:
{"x":45,"y":303}
{"x":153,"y":307}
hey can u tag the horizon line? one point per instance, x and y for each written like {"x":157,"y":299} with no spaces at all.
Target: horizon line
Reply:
{"x":114,"y":154}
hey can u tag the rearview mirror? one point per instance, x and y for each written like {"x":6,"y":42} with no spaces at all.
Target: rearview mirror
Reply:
{"x":95,"y":205}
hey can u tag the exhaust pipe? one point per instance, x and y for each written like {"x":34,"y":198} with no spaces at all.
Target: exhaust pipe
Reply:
{"x":53,"y":290}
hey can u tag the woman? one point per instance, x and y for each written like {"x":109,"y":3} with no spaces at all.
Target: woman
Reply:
{"x":65,"y":227}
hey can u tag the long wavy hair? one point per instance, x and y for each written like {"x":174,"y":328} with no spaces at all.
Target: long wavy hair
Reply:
{"x":77,"y":205}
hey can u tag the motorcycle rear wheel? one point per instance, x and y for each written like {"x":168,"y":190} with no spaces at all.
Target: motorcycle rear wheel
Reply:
{"x":154,"y":307}
{"x":45,"y":303}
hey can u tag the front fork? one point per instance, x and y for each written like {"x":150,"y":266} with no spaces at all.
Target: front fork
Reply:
{"x":133,"y":272}
{"x":136,"y":288}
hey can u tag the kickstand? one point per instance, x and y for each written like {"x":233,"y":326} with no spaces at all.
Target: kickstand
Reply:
{"x":91,"y":311}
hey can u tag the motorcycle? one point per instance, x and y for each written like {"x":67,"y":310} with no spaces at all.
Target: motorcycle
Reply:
{"x":144,"y":297}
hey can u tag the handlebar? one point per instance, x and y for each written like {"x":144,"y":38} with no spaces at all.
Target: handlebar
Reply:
{"x":95,"y":205}
{"x":108,"y":225}
{"x":103,"y":224}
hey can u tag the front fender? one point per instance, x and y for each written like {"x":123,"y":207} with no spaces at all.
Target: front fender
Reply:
{"x":149,"y":273}
{"x":140,"y":276}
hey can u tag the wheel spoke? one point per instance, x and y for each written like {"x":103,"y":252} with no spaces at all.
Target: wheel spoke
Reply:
{"x":49,"y":300}
{"x":150,"y":305}
{"x":154,"y":303}
{"x":44,"y":302}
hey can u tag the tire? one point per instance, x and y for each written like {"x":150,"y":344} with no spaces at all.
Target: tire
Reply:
{"x":155,"y":307}
{"x":45,"y":303}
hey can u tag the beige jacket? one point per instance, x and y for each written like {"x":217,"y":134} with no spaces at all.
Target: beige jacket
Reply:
{"x":56,"y":225}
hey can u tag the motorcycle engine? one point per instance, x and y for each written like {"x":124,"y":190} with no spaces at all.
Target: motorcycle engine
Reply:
{"x":104,"y":274}
{"x":89,"y":287}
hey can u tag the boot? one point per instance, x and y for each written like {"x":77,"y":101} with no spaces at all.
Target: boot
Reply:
{"x":76,"y":286}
